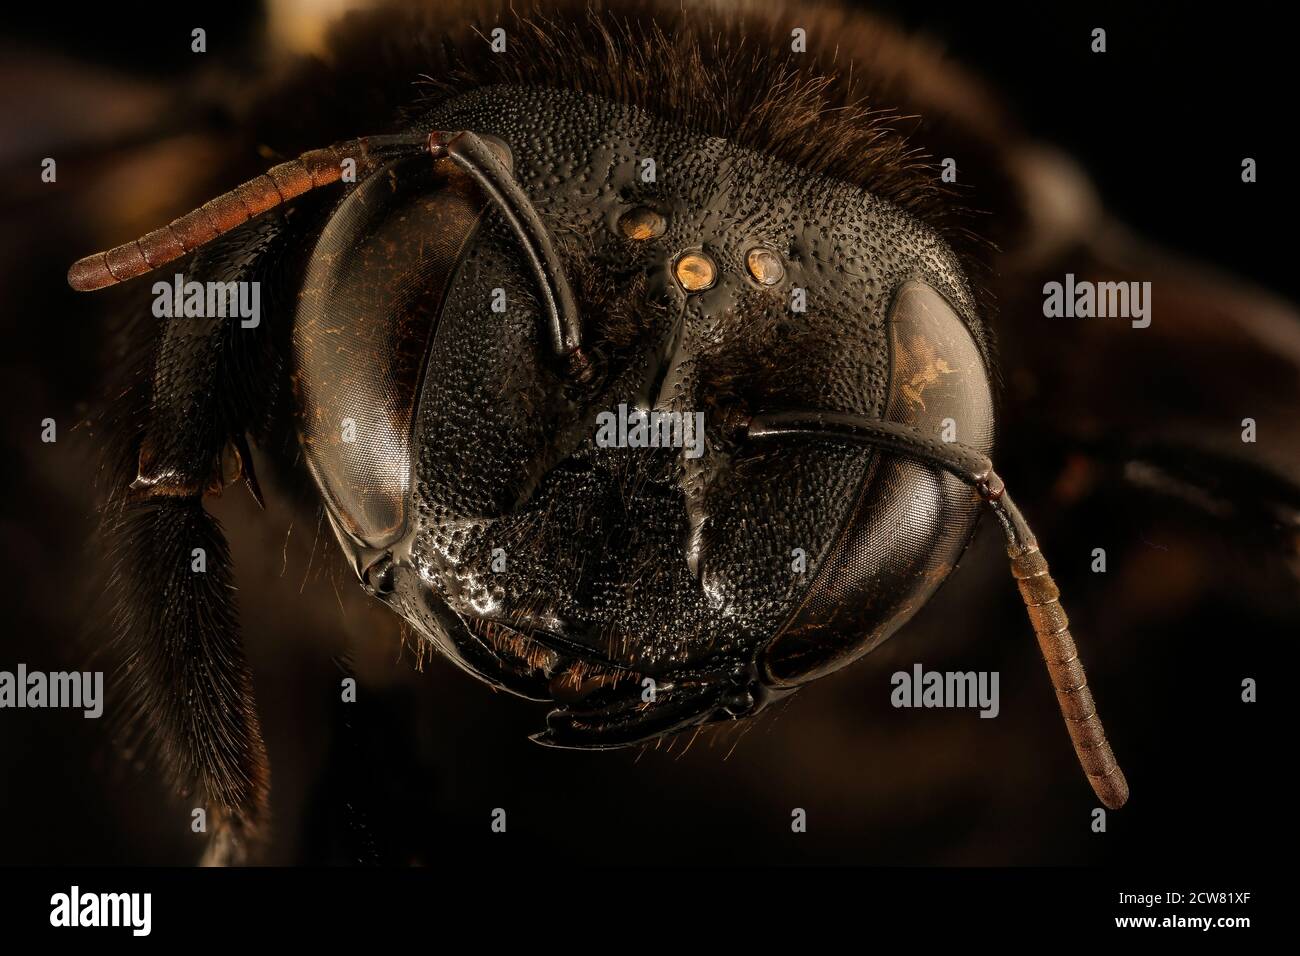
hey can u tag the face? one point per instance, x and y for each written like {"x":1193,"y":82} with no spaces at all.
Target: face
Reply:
{"x":612,"y":547}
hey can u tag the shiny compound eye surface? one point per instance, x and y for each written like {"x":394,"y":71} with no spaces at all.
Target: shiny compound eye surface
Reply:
{"x":910,"y":522}
{"x":368,"y":308}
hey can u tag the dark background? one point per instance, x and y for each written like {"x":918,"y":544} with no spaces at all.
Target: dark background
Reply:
{"x":412,"y":771}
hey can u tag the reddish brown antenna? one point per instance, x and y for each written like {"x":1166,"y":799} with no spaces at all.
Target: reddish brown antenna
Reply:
{"x":278,"y":185}
{"x":484,"y":158}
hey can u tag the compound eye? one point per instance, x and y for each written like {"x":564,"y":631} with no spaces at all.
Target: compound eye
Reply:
{"x":369,"y":307}
{"x":910,"y":521}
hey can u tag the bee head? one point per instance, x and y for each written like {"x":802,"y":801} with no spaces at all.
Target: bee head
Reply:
{"x":603,"y":541}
